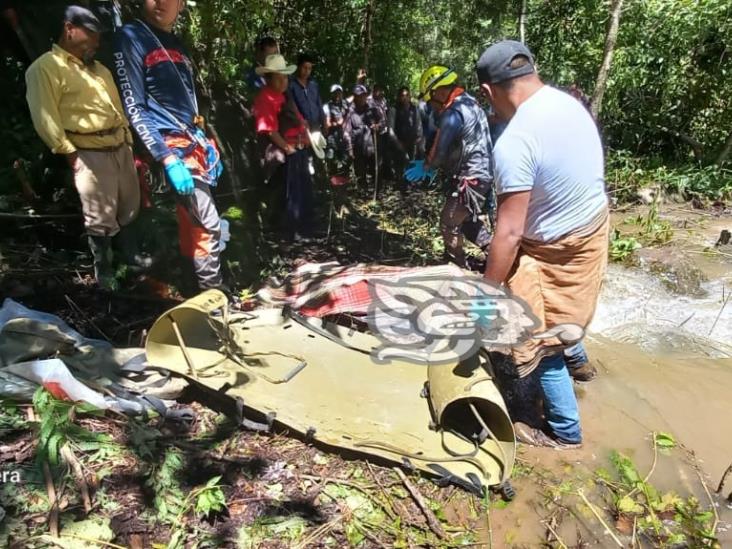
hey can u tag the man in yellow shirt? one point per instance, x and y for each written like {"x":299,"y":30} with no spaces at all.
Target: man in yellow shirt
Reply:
{"x":77,"y":112}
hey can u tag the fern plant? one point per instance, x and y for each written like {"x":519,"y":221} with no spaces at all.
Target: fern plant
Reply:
{"x":58,"y":427}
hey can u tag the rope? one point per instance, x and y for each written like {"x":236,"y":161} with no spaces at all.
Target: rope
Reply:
{"x":393,"y":449}
{"x":493,"y":436}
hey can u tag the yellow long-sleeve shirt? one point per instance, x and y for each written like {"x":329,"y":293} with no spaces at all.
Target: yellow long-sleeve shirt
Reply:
{"x":71,"y":102}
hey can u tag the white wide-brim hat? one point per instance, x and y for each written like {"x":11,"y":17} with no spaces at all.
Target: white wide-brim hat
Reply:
{"x":318,"y":143}
{"x":275,"y":63}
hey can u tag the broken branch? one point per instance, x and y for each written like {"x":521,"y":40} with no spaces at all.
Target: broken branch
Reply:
{"x":432,"y":521}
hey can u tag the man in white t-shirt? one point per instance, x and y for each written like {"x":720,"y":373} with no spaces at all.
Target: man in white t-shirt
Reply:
{"x":550,"y":243}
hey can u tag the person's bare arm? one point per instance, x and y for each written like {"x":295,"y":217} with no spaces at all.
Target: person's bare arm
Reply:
{"x":277,"y":139}
{"x":512,"y":209}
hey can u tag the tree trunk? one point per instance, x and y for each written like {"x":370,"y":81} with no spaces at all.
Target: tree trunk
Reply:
{"x":367,"y":26}
{"x":611,"y":38}
{"x":726,"y":150}
{"x":696,"y":147}
{"x":522,"y":21}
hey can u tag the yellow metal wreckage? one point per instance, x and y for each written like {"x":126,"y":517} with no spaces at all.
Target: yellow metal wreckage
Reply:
{"x":318,"y":379}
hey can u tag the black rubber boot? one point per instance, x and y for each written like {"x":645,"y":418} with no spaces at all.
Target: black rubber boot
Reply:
{"x":101,"y":250}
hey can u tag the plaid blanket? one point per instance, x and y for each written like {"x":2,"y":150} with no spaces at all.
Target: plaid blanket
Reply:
{"x":322,"y":289}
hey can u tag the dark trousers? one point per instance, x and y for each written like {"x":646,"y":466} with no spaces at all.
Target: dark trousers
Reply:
{"x":457,"y":222}
{"x":199,"y":234}
{"x":363,"y":166}
{"x":298,"y":193}
{"x":392,"y":156}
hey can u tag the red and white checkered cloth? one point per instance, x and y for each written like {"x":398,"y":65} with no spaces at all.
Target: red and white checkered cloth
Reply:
{"x":322,"y":289}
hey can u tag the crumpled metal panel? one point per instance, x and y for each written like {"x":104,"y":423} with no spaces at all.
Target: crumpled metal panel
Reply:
{"x":319,"y":380}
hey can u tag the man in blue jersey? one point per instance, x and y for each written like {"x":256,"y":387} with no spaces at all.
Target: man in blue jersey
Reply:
{"x":155,"y":78}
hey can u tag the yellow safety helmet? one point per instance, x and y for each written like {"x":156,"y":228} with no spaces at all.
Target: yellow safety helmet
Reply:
{"x":435,"y":77}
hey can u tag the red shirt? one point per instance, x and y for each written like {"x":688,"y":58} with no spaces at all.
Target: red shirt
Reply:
{"x":267,"y":108}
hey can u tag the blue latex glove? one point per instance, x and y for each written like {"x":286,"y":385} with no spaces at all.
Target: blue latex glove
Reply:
{"x":179,"y":177}
{"x":416,"y":172}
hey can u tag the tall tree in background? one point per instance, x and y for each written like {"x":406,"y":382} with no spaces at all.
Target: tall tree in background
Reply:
{"x":522,"y":21}
{"x":368,"y":22}
{"x":611,"y":38}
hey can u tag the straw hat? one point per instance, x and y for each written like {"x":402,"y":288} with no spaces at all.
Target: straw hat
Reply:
{"x":318,"y":143}
{"x":275,"y":63}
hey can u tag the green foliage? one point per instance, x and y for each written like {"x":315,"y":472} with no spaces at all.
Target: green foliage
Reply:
{"x":667,"y":519}
{"x":17,"y":135}
{"x":143,"y":439}
{"x":652,"y":229}
{"x":169,"y":500}
{"x":29,"y":495}
{"x":664,"y":440}
{"x":57,"y":427}
{"x":210,"y":498}
{"x":403,"y":38}
{"x":626,"y":174}
{"x":415,"y":218}
{"x":668,"y":84}
{"x":10,"y":418}
{"x":622,"y":248}
{"x":267,"y":528}
{"x":84,"y":533}
{"x":625,"y":468}
{"x":670,"y":76}
{"x":233,"y":213}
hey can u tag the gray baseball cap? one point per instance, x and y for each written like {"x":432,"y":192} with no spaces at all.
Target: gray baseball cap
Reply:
{"x":494,"y":65}
{"x":82,"y":17}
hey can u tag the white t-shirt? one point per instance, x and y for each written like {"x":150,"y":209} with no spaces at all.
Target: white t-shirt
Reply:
{"x":552,"y":147}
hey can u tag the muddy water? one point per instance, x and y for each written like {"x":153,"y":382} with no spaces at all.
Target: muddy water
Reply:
{"x":637,"y":393}
{"x":666,"y":358}
{"x":665,"y":364}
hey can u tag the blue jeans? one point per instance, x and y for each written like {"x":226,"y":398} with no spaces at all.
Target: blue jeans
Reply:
{"x":576,"y":355}
{"x":560,"y":404}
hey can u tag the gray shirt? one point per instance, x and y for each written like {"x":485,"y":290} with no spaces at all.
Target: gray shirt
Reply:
{"x":552,"y":148}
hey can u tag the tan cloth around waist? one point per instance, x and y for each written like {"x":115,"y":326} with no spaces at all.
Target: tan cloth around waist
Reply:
{"x":560,"y":281}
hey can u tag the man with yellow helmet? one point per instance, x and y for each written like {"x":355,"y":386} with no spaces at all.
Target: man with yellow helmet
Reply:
{"x":462,"y":149}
